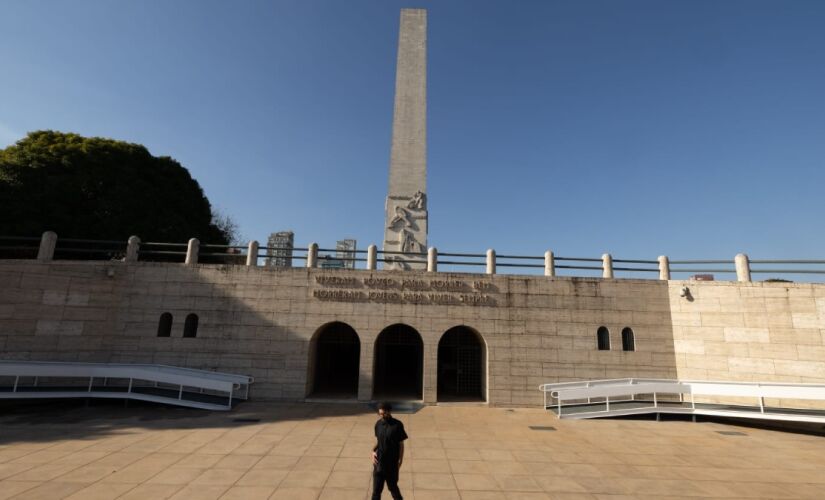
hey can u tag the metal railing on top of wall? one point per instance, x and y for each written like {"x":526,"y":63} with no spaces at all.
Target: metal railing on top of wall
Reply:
{"x":48,"y":247}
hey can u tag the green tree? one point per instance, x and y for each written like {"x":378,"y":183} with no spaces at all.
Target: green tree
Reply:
{"x":96,"y":188}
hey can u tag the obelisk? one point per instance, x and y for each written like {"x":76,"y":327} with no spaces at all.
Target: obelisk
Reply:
{"x":405,"y":227}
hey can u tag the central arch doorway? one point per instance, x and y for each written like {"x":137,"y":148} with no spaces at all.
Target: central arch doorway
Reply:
{"x":399,"y":363}
{"x":335,"y":353}
{"x":461,"y":365}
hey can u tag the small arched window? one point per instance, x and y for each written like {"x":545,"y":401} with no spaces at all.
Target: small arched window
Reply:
{"x":603,"y":338}
{"x":190,"y":326}
{"x":165,"y":325}
{"x":628,"y":343}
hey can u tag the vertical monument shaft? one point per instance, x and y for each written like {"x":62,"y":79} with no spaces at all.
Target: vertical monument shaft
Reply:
{"x":405,"y":228}
{"x":408,"y":158}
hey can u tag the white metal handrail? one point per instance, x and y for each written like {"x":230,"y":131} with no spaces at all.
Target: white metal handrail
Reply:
{"x":230,"y":385}
{"x":563,"y":394}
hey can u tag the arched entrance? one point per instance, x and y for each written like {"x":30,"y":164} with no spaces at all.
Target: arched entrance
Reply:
{"x":399,"y":363}
{"x":462,"y":360}
{"x":335,"y":353}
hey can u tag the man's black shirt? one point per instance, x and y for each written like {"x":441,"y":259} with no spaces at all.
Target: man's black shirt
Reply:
{"x":389,"y":433}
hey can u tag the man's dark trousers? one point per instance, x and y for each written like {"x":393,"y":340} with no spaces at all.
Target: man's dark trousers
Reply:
{"x":390,"y":475}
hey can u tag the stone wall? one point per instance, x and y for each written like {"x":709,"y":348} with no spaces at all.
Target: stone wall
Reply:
{"x":261,"y":322}
{"x":749,"y":332}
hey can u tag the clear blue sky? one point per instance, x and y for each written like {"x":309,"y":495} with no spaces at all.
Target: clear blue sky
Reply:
{"x":694,"y":129}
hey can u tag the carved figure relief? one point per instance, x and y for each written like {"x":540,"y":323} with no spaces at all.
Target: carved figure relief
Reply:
{"x":407,"y":242}
{"x":404,"y":214}
{"x":401,"y":215}
{"x":418,"y":201}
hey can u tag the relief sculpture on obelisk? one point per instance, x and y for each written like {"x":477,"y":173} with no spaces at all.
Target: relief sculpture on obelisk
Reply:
{"x":405,"y":229}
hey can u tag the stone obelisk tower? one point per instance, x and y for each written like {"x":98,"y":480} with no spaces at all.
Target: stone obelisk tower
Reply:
{"x":405,"y":228}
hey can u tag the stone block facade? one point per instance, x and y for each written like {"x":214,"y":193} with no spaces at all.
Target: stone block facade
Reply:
{"x":264,"y":322}
{"x":751,"y":332}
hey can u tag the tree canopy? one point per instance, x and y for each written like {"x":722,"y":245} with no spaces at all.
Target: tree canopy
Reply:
{"x":97,"y":188}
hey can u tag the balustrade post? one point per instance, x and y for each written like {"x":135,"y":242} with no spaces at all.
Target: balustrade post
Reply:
{"x":743,"y":267}
{"x":491,"y":261}
{"x":607,"y":266}
{"x":192,"y":251}
{"x":549,"y":264}
{"x":47,"y":243}
{"x":252,"y":254}
{"x":664,"y":267}
{"x":312,"y":255}
{"x":432,"y":260}
{"x":372,"y":257}
{"x":132,"y":249}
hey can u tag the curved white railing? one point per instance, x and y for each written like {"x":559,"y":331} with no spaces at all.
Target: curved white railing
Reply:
{"x":679,"y":396}
{"x":157,"y":383}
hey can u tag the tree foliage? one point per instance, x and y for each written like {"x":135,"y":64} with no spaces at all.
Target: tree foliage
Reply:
{"x":97,"y":188}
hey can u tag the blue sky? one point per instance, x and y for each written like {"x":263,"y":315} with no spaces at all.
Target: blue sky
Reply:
{"x":694,"y":129}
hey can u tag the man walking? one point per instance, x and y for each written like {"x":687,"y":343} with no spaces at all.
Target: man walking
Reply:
{"x":388,"y":453}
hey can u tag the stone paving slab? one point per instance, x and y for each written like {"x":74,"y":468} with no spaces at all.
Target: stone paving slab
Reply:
{"x":321,"y":451}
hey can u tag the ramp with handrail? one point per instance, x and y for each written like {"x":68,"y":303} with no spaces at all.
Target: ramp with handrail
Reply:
{"x":172,"y":385}
{"x":634,"y":396}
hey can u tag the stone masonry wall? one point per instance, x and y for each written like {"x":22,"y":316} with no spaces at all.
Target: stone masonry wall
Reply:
{"x":261,"y":322}
{"x":750,"y":332}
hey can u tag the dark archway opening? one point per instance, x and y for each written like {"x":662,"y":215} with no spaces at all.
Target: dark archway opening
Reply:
{"x":165,"y":325}
{"x":603,"y":338}
{"x":461,"y":363}
{"x":335,"y":360}
{"x":399,"y":363}
{"x":190,"y":326}
{"x":628,"y":343}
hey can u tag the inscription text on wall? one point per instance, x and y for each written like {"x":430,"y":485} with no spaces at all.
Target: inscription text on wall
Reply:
{"x":404,"y":291}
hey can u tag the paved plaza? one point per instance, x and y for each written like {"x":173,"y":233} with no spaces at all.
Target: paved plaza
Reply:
{"x":308,"y":451}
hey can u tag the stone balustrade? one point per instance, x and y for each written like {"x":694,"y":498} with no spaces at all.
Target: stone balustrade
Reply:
{"x":742,"y":264}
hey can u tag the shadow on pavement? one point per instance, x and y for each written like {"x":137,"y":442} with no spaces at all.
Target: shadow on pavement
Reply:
{"x":45,"y":420}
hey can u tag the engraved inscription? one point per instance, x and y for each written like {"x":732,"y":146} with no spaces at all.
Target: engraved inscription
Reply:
{"x":448,"y":285}
{"x":339,"y":295}
{"x":414,"y":284}
{"x":413,"y":291}
{"x":341,"y":281}
{"x":380,"y":282}
{"x":385,"y":296}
